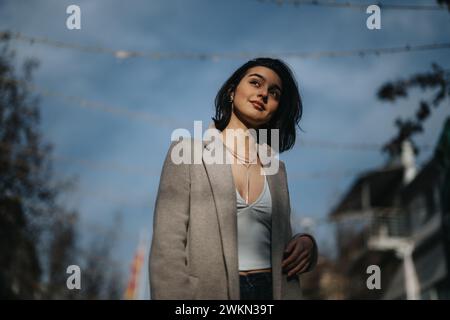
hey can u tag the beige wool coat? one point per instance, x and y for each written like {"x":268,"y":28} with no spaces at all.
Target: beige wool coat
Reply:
{"x":193,"y":253}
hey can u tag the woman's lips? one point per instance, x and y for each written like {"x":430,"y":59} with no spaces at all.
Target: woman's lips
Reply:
{"x":257,"y":105}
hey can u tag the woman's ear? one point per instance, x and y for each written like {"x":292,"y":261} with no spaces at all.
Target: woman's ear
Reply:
{"x":231,"y":94}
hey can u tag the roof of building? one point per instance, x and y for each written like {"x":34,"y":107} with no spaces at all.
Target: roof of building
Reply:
{"x":382,"y":186}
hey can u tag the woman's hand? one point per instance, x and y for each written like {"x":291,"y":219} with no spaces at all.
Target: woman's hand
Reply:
{"x":298,"y":254}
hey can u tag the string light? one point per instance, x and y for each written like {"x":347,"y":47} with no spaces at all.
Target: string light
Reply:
{"x":353,"y":5}
{"x":126,"y":54}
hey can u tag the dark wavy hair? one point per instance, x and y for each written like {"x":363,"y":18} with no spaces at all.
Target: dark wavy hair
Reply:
{"x":290,"y":108}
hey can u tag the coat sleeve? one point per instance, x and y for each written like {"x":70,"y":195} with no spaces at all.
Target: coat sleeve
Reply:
{"x":168,"y":274}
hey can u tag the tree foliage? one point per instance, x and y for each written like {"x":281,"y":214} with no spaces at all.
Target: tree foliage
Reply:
{"x":438,"y":79}
{"x":38,"y":234}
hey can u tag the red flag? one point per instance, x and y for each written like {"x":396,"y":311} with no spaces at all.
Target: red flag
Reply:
{"x":133,"y":284}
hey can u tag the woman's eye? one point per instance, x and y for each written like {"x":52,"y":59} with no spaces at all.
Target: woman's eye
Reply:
{"x":254,"y":82}
{"x":275,"y":94}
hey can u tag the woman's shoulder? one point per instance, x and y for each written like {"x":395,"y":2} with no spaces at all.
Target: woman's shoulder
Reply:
{"x":185,"y":150}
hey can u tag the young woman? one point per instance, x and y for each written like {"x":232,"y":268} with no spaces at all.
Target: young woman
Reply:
{"x":222,"y":230}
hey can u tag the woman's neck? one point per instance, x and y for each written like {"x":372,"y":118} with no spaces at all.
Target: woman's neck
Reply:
{"x":236,"y":123}
{"x":238,"y":138}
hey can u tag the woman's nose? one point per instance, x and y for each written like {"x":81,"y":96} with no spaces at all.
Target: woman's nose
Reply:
{"x":264,"y":95}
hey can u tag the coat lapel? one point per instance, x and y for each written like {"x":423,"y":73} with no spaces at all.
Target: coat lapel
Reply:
{"x":278,"y":232}
{"x":222,"y":185}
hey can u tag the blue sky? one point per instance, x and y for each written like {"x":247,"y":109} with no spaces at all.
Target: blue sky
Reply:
{"x":117,"y":158}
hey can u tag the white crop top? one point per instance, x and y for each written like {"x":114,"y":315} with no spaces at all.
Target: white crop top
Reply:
{"x":254,"y":222}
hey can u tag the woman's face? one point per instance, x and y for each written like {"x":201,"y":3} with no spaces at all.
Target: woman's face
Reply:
{"x":257,"y":96}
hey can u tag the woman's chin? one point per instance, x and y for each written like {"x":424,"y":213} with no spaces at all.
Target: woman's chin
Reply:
{"x":257,"y":119}
{"x":256,"y":122}
{"x":253,"y":118}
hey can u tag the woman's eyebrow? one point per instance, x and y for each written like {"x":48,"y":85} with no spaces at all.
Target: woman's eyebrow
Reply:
{"x":260,"y":76}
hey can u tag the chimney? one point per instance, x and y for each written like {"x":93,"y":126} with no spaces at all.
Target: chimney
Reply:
{"x":408,"y":161}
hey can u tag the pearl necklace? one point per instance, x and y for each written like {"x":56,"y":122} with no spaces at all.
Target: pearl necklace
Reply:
{"x":247,"y":164}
